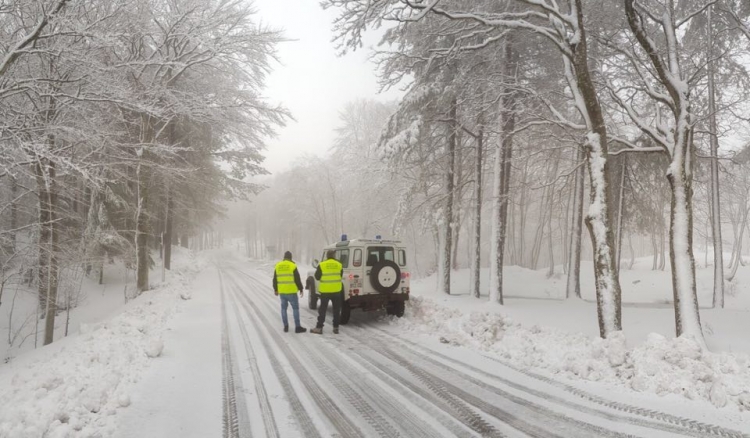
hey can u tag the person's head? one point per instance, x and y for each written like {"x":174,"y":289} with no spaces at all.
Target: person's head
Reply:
{"x":330,"y":254}
{"x":288,"y":255}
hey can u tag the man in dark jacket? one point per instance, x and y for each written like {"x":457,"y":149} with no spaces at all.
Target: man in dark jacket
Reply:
{"x":286,"y":284}
{"x":329,"y":274}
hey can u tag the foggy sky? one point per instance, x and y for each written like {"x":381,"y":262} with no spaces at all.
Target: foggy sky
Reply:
{"x":311,"y":80}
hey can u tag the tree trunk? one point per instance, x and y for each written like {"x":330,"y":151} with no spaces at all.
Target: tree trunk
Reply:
{"x":456,"y":233}
{"x":502,"y":170}
{"x":168,"y":233}
{"x":662,"y":248}
{"x":142,"y":229}
{"x":448,"y":214}
{"x":687,"y":317}
{"x":718,"y":300}
{"x":550,"y":246}
{"x":598,"y":219}
{"x":574,"y":259}
{"x":45,"y":233}
{"x":620,"y":205}
{"x":457,"y":197}
{"x":52,"y":266}
{"x":736,"y":263}
{"x":477,"y":265}
{"x":13,"y":211}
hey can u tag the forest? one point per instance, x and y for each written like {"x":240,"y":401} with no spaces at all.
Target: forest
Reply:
{"x":545,"y":134}
{"x":125,"y":125}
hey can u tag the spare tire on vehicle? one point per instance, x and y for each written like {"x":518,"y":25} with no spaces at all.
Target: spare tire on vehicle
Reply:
{"x":385,"y":276}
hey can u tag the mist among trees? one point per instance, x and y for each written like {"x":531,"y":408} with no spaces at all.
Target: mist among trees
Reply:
{"x":542,"y":134}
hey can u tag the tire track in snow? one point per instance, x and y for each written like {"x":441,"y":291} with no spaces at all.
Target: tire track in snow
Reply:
{"x":338,"y":370}
{"x":337,"y":418}
{"x":378,"y":423}
{"x":235,"y":421}
{"x":672,"y":424}
{"x":438,"y":396}
{"x":306,"y":424}
{"x":413,"y":427}
{"x":651,"y":419}
{"x":265,"y":407}
{"x":457,"y":402}
{"x":479,"y":402}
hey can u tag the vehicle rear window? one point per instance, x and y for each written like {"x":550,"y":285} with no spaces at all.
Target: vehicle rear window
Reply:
{"x":357,"y":260}
{"x":401,"y":257}
{"x":342,"y":255}
{"x":378,"y":253}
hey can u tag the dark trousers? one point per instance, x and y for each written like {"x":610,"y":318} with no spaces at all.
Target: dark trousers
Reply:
{"x":335,"y":299}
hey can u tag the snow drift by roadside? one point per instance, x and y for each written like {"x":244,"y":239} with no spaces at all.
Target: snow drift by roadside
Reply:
{"x":660,"y":365}
{"x":76,"y":391}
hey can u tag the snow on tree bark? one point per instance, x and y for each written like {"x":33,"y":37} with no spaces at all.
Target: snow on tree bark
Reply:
{"x":687,"y":317}
{"x":677,"y":141}
{"x":608,"y":294}
{"x":718,"y":300}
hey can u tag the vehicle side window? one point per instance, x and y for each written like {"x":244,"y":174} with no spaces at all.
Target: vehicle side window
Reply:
{"x":342,"y":255}
{"x":378,"y":253}
{"x":388,"y":255}
{"x":357,"y":260}
{"x":401,"y":257}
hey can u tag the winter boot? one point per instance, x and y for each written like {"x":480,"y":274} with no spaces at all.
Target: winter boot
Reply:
{"x":286,"y":328}
{"x":317,"y":330}
{"x":300,"y":330}
{"x":335,"y":330}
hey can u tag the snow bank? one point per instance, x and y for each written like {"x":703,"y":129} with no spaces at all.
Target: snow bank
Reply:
{"x":75,"y":391}
{"x":660,"y":365}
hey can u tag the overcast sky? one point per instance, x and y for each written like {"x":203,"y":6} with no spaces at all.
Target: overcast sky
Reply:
{"x":312,"y":81}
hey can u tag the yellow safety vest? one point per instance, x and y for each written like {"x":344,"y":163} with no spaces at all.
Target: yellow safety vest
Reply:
{"x":285,"y":277}
{"x":330,"y":280}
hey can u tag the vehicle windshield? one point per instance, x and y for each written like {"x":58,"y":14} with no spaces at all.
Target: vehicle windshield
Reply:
{"x":378,"y":253}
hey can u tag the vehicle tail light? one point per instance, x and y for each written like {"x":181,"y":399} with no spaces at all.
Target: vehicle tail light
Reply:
{"x":405,"y":275}
{"x":351,"y":276}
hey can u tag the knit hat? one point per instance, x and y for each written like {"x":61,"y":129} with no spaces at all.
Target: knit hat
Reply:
{"x":288,"y":255}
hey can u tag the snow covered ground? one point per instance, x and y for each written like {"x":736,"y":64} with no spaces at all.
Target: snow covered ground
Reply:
{"x":537,"y":329}
{"x":75,"y":386}
{"x":204,"y":353}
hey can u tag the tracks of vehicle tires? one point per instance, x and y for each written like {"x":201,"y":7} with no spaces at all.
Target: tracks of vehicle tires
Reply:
{"x":352,"y":385}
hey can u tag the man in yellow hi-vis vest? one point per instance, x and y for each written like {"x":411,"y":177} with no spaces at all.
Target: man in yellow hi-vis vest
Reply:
{"x":286,"y":284}
{"x":329,"y":275}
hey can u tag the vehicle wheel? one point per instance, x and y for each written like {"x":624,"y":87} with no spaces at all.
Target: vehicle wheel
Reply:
{"x":346,"y":312}
{"x":395,"y":308}
{"x":312,"y":298}
{"x":385,"y":276}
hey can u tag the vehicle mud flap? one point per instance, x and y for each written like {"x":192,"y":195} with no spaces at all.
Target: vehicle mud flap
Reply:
{"x":346,"y":311}
{"x":395,"y":308}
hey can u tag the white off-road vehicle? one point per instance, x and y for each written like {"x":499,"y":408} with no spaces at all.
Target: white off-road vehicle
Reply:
{"x":375,"y":276}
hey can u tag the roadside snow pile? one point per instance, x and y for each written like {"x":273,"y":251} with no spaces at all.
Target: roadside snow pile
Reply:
{"x":76,"y":391}
{"x":661,"y":366}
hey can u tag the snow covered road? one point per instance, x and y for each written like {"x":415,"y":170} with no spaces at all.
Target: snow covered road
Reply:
{"x":371,"y":380}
